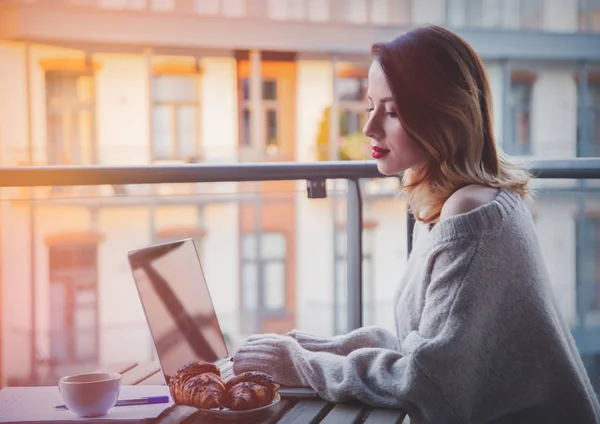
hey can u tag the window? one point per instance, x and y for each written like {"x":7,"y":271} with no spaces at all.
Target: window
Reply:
{"x":396,"y":12}
{"x":484,"y":13}
{"x":475,"y":13}
{"x":588,"y":263}
{"x":589,"y":15}
{"x":275,"y":114}
{"x":518,"y":139}
{"x":524,"y":14}
{"x":352,"y":89}
{"x":587,"y":256}
{"x":263,"y":296}
{"x":594,"y":116}
{"x":175,"y":117}
{"x":118,"y":4}
{"x":70,"y":117}
{"x":340,"y":300}
{"x":589,"y":140}
{"x":288,"y":9}
{"x":531,"y":14}
{"x":352,"y":96}
{"x":352,"y":101}
{"x":352,"y":93}
{"x":154,"y":5}
{"x":270,"y":111}
{"x":591,"y":362}
{"x":73,"y":304}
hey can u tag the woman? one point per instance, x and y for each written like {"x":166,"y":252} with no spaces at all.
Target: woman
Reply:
{"x":478,"y":336}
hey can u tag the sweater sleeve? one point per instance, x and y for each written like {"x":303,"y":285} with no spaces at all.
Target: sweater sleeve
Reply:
{"x":388,"y":378}
{"x":382,"y":376}
{"x":370,"y":336}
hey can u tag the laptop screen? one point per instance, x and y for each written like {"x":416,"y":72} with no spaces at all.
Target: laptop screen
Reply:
{"x":177,"y":304}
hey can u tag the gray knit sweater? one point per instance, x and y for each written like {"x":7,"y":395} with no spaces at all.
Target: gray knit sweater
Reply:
{"x":478,"y":337}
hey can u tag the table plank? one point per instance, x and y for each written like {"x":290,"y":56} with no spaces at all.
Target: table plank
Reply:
{"x":345,"y":413}
{"x":140,"y":373}
{"x":385,"y":416}
{"x":180,"y":414}
{"x":177,"y":414}
{"x":307,"y":412}
{"x":120,"y":367}
{"x":156,"y":379}
{"x":278,"y":411}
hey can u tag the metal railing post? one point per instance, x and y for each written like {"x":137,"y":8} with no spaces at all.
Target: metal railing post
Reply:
{"x":410,"y":228}
{"x":354,"y":226}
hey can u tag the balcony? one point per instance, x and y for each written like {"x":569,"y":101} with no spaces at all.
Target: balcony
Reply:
{"x":316,"y":246}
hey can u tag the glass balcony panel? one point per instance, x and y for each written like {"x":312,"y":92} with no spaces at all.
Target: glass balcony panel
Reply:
{"x":266,"y":249}
{"x":567,"y":219}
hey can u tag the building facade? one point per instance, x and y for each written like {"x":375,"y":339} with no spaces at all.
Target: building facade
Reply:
{"x":139,"y":82}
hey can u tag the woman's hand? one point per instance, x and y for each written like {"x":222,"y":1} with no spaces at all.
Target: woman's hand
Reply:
{"x":272,"y":354}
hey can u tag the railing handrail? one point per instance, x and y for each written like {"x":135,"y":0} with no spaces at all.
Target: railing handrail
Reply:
{"x":39,"y":176}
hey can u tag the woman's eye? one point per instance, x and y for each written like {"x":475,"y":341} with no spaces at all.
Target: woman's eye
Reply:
{"x":370,"y":109}
{"x":391,"y":114}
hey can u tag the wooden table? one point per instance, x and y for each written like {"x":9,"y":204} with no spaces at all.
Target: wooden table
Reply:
{"x":288,"y":411}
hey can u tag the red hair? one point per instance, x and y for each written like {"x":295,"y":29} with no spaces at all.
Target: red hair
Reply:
{"x":442,"y":95}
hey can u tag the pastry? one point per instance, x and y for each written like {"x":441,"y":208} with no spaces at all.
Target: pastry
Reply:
{"x":198,"y":384}
{"x":204,"y":391}
{"x":247,"y":395}
{"x":250,"y":390}
{"x":184,"y":374}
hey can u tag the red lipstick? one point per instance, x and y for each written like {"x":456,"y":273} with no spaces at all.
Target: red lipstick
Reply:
{"x":378,"y":152}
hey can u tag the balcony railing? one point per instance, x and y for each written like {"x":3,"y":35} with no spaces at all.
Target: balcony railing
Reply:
{"x":315,"y":174}
{"x":365,"y":187}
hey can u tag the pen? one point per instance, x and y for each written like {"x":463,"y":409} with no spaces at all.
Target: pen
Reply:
{"x":139,"y":401}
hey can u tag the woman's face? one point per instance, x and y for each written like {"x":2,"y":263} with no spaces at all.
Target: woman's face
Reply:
{"x":391,"y":146}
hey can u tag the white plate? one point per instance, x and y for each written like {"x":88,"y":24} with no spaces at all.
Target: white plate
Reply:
{"x":232,"y":415}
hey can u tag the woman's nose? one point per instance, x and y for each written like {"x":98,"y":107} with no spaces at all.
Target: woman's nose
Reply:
{"x":371,"y":129}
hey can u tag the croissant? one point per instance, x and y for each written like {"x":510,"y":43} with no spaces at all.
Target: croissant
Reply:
{"x":204,"y":391}
{"x":254,"y":377}
{"x":247,"y":395}
{"x":198,"y":384}
{"x":188,"y":371}
{"x":250,"y":390}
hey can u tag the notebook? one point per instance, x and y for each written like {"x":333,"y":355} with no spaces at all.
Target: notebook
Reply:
{"x":37,"y":405}
{"x":180,"y":311}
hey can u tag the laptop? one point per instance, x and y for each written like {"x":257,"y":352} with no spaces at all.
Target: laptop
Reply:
{"x":180,"y":311}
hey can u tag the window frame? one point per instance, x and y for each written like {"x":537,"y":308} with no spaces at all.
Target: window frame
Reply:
{"x":590,"y":255}
{"x":586,"y":12}
{"x":70,"y":279}
{"x":263,"y":311}
{"x":356,"y":105}
{"x":593,"y":111}
{"x":174,"y":107}
{"x":62,"y":113}
{"x":512,"y":144}
{"x":532,"y":19}
{"x":267,"y":105}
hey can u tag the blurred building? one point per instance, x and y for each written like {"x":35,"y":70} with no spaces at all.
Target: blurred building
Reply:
{"x":137,"y":82}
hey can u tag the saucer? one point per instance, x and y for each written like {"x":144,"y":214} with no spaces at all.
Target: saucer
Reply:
{"x":233,"y":415}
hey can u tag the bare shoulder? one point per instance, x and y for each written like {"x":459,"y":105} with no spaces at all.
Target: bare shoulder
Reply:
{"x":467,"y":199}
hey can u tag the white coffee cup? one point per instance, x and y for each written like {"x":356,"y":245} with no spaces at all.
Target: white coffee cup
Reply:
{"x":90,"y":395}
